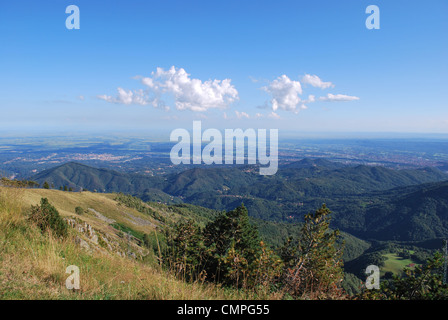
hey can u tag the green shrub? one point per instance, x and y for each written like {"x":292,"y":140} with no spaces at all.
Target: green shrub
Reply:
{"x":47,"y":217}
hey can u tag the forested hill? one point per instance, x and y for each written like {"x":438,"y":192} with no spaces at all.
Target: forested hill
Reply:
{"x":418,"y":213}
{"x":369,"y":202}
{"x":80,"y":176}
{"x":306,"y":177}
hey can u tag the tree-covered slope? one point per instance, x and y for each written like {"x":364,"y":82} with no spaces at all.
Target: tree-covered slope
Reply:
{"x":369,"y":202}
{"x":80,"y":176}
{"x":417,"y":215}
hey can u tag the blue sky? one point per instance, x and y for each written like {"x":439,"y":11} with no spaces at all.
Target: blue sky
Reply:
{"x":389,"y":80}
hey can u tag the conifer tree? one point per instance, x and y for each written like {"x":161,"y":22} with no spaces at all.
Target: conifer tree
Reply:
{"x":313,"y":261}
{"x":234,"y":247}
{"x":186,"y":251}
{"x":46,"y":217}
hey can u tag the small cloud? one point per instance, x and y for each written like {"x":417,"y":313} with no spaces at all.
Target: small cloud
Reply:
{"x":285,"y":93}
{"x":127,"y":97}
{"x":259,"y":115}
{"x":81,"y":98}
{"x":241,"y":115}
{"x":338,"y":97}
{"x":254,"y":80}
{"x":311,"y":98}
{"x":316,"y":82}
{"x":274,"y":115}
{"x":201,"y":116}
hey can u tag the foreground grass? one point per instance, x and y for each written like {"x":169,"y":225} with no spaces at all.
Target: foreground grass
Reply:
{"x":33,"y":266}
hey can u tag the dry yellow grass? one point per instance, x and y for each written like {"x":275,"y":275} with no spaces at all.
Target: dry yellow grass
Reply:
{"x":33,"y":265}
{"x":66,"y":202}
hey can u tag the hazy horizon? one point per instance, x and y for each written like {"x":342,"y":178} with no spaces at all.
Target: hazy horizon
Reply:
{"x":164,"y":134}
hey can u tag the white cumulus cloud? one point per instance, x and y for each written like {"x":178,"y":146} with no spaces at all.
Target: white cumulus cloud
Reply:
{"x":338,"y":97}
{"x":285,"y":93}
{"x":188,"y":93}
{"x":315,"y":81}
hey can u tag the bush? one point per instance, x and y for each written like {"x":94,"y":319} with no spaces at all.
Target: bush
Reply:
{"x":79,"y":210}
{"x":47,"y":217}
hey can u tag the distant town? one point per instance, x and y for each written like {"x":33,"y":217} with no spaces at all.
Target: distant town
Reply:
{"x":18,"y":160}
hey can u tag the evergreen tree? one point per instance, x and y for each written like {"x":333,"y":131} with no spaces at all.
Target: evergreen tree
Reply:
{"x":313,"y":261}
{"x":234,"y":247}
{"x":47,"y":218}
{"x":186,"y":251}
{"x":46,"y":185}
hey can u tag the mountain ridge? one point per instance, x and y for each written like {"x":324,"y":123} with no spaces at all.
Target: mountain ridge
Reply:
{"x":360,"y":196}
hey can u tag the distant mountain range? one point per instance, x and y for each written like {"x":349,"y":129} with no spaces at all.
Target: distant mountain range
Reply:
{"x":369,"y":202}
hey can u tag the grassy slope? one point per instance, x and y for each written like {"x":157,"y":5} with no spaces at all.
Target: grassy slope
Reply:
{"x":66,"y":202}
{"x":32,"y":264}
{"x":395,"y":264}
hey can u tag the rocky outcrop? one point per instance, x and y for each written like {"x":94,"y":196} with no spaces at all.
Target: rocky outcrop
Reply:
{"x":91,"y":239}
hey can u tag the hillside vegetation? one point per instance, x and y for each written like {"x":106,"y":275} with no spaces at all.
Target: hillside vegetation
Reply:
{"x":112,"y":265}
{"x":129,"y":249}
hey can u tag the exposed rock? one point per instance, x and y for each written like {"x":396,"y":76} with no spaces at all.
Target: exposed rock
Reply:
{"x":138,"y":221}
{"x":101,"y":217}
{"x":82,"y":243}
{"x":91,"y":239}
